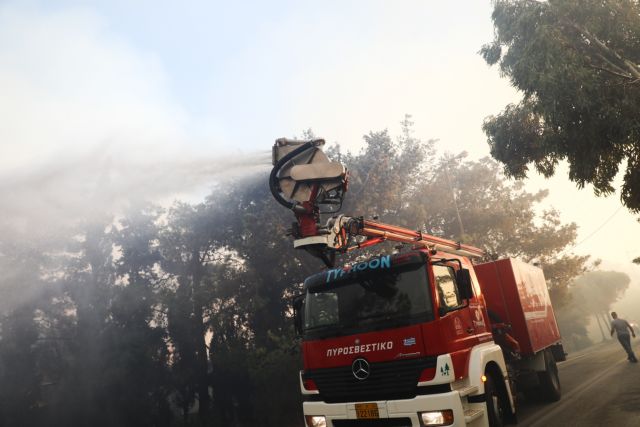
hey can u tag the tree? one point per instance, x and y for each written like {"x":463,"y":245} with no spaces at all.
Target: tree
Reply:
{"x":577,"y":64}
{"x":136,"y":354}
{"x":19,"y":377}
{"x":472,"y":201}
{"x":188,"y":244}
{"x":76,"y":319}
{"x":20,"y":293}
{"x":597,"y":291}
{"x":384,"y":175}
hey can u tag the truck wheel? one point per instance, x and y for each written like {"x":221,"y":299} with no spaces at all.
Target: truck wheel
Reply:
{"x":495,"y":403}
{"x":549,"y":379}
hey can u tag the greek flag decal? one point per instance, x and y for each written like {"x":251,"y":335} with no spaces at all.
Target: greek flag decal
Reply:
{"x":409,"y":342}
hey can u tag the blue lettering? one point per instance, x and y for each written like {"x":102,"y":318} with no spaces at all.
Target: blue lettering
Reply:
{"x":385,"y":261}
{"x":381,"y":262}
{"x":332,"y":274}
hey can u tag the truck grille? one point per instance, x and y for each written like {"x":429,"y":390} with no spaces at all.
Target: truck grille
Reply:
{"x":387,"y":380}
{"x":385,"y":422}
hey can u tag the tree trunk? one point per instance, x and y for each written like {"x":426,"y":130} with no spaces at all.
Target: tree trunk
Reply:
{"x":606,"y":322}
{"x":185,"y":414}
{"x":203,"y":370}
{"x":202,"y":359}
{"x":600,"y":326}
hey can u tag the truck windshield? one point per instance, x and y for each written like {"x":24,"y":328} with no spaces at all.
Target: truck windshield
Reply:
{"x":368,"y":299}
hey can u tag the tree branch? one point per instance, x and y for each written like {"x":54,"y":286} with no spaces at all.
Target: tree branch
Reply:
{"x":615,"y":73}
{"x":633,"y":69}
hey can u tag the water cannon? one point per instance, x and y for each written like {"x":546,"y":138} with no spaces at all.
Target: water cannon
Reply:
{"x":304,"y":180}
{"x":303,"y":175}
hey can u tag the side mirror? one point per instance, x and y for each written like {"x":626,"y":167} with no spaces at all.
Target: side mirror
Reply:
{"x":463,"y":279}
{"x":298,"y":310}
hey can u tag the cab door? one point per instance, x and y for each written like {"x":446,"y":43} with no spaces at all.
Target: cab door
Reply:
{"x":456,"y":316}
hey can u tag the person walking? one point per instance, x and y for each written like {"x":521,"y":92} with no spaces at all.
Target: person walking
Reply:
{"x":622,"y":328}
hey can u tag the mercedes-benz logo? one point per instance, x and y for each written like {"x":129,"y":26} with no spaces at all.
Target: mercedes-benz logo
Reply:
{"x":360,"y":369}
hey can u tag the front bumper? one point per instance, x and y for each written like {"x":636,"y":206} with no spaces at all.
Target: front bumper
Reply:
{"x":471,"y":415}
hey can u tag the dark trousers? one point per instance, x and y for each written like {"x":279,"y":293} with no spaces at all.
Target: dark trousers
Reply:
{"x":625,"y":340}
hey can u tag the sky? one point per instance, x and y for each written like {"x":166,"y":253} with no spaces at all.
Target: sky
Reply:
{"x":213,"y":84}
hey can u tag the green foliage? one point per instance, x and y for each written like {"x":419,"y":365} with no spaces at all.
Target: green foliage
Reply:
{"x":275,"y":366}
{"x":384,"y":176}
{"x":577,"y":64}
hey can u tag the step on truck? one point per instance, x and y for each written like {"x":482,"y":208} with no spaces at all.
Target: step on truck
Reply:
{"x":425,"y":336}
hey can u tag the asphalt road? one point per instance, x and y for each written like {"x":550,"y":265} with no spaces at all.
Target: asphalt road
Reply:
{"x":599,"y":388}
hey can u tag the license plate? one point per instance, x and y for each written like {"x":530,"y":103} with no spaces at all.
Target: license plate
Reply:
{"x":367,"y":410}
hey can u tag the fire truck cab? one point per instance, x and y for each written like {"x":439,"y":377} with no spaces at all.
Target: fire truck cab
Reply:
{"x":400,"y":340}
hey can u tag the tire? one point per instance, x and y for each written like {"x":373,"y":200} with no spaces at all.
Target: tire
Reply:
{"x":495,"y":403}
{"x":550,"y":389}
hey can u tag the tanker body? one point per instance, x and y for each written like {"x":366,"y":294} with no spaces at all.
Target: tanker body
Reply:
{"x":518,"y":302}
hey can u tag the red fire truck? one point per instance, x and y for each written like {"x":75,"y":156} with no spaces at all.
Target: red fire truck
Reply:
{"x":421,"y":337}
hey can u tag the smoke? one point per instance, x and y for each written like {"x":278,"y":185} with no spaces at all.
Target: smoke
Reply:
{"x":41,"y":207}
{"x":90,"y":127}
{"x":107,"y":180}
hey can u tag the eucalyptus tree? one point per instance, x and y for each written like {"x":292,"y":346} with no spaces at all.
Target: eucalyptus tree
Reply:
{"x":577,"y":65}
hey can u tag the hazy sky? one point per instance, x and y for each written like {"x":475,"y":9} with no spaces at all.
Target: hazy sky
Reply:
{"x":162,"y":79}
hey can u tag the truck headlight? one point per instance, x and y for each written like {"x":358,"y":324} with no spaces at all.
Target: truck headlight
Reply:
{"x":436,"y":418}
{"x":315,"y":420}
